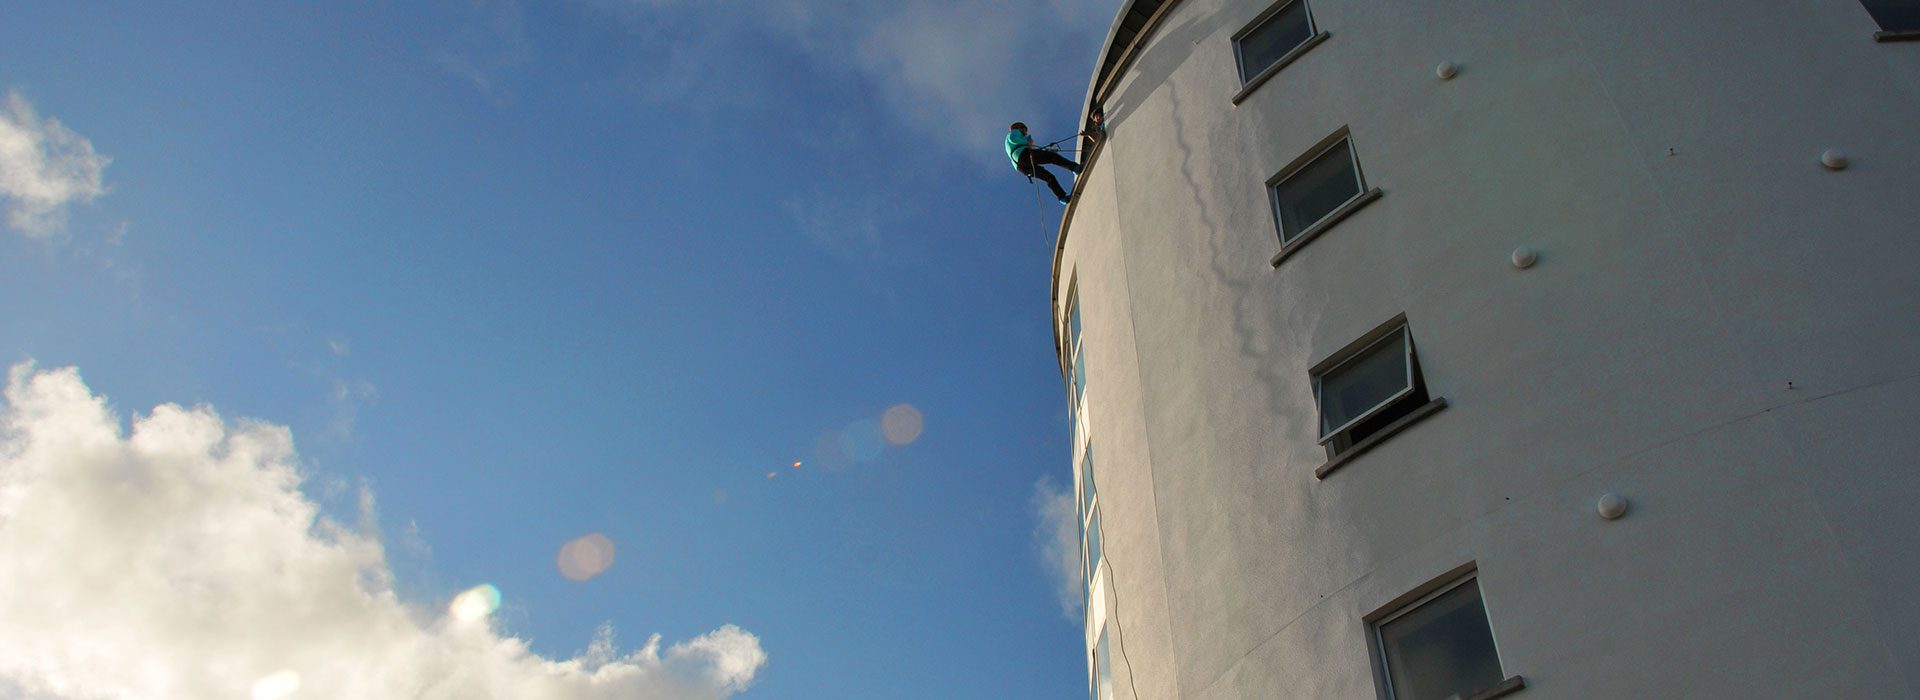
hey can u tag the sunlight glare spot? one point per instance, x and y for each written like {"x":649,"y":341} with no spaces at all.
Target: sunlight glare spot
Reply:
{"x":475,"y":604}
{"x":862,"y":440}
{"x":586,"y":557}
{"x":902,"y":424}
{"x":276,"y":686}
{"x":830,"y":452}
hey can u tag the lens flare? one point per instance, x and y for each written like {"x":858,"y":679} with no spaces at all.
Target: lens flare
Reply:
{"x":475,"y":604}
{"x":830,"y":452}
{"x":862,"y":440}
{"x":586,"y":557}
{"x":902,"y":424}
{"x":796,"y":465}
{"x":277,"y":686}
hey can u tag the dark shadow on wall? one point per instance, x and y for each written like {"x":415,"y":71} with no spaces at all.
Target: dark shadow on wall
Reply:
{"x":1240,"y":280}
{"x":1166,"y":51}
{"x":1169,"y":49}
{"x":1235,"y":273}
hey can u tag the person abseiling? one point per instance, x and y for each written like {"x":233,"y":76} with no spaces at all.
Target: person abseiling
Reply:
{"x":1027,"y":158}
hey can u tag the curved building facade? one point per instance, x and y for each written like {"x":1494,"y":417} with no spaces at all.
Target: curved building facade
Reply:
{"x":1529,"y":348}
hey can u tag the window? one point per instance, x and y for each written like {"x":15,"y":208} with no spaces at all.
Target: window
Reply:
{"x":1276,"y":36}
{"x":1368,"y":391}
{"x":1089,"y":525}
{"x":1373,"y":380}
{"x":1440,"y":647}
{"x":1076,"y":365}
{"x":1102,"y":669}
{"x":1311,"y":195}
{"x":1369,"y":387}
{"x":1900,"y":17}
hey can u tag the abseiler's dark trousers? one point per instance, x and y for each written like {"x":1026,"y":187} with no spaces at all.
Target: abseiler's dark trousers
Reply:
{"x":1031,"y":160}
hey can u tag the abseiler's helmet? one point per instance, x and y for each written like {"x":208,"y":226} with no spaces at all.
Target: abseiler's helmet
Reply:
{"x":1018,"y":126}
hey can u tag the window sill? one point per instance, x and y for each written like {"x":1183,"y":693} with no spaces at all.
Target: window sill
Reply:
{"x":1391,"y":429}
{"x":1325,"y":222}
{"x":1897,"y":35}
{"x":1503,"y":689}
{"x":1256,"y":81}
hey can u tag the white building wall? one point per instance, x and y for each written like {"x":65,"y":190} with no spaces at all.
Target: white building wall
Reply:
{"x":1117,"y":424}
{"x":1695,"y":259}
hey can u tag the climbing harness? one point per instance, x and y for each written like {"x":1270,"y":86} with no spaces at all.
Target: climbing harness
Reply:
{"x":1050,"y":147}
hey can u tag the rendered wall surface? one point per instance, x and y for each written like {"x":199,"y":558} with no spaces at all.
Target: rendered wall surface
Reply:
{"x":1695,"y":258}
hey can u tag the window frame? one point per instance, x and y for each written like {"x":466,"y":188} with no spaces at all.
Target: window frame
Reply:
{"x":1363,"y":194}
{"x":1093,"y":670}
{"x":1251,"y":82}
{"x":1886,"y":33}
{"x":1070,"y":329}
{"x":1414,"y":600}
{"x":1406,"y":364}
{"x":1073,"y":357}
{"x":1341,"y":446}
{"x":1092,"y":545}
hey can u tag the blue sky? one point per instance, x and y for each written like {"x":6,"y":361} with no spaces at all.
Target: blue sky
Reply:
{"x":512,"y":274}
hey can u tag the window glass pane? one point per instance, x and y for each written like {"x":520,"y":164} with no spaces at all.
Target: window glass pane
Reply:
{"x":1316,"y":190}
{"x":1079,"y":378}
{"x":1441,"y":649}
{"x":1074,"y":370}
{"x":1093,"y":544}
{"x":1895,"y":15}
{"x":1073,"y":323}
{"x":1361,"y":384}
{"x":1271,"y":40}
{"x":1102,"y":669}
{"x":1086,"y":588}
{"x":1074,"y":412}
{"x":1086,"y":488}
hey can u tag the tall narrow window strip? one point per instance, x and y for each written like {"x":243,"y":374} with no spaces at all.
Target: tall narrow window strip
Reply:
{"x":1362,"y":385}
{"x":1073,"y":318}
{"x":1102,"y":669}
{"x":1089,"y":527}
{"x":1092,"y":553}
{"x":1079,"y":378}
{"x":1441,"y":647}
{"x":1317,"y":189}
{"x":1273,"y":38}
{"x":1087,"y":491}
{"x":1076,"y":370}
{"x":1895,"y":15}
{"x":1086,"y":591}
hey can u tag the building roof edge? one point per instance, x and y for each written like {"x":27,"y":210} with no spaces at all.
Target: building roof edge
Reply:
{"x":1135,"y":20}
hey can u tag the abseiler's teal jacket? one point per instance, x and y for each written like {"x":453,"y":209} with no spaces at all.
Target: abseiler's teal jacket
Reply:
{"x":1017,"y":143}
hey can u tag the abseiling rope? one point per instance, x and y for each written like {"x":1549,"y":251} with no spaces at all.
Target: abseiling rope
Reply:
{"x":1114,"y":590}
{"x":1039,"y":201}
{"x":1039,"y":206}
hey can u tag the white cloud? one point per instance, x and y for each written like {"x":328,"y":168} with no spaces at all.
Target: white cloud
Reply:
{"x":180,"y":560}
{"x":1056,"y":534}
{"x":346,"y":398}
{"x":951,"y":74}
{"x":848,"y":229}
{"x":959,"y":71}
{"x":44,"y":167}
{"x":956,"y":72}
{"x":487,"y":48}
